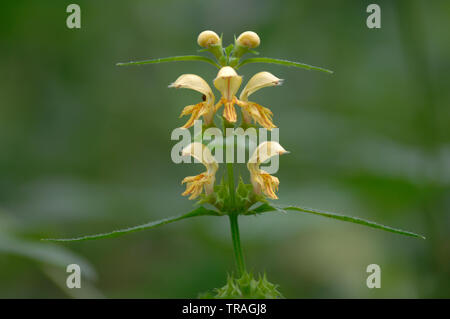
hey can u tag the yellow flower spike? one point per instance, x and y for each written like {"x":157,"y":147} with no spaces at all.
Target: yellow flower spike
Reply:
{"x":228,"y":83}
{"x":208,"y":38}
{"x":262,"y":181}
{"x":248,"y":39}
{"x":195,"y":184}
{"x":251,"y":110}
{"x":205,"y":108}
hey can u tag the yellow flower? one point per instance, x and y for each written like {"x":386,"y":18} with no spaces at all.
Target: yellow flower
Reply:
{"x":228,"y":83}
{"x":195,"y":184}
{"x":205,"y":108}
{"x":249,"y":39}
{"x":251,"y":110}
{"x":261,"y":180}
{"x":208,"y":38}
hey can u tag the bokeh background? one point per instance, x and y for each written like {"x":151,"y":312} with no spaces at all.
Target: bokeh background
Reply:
{"x":85,"y":148}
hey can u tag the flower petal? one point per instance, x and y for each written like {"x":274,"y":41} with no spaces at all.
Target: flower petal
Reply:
{"x":201,"y":153}
{"x":194,"y":82}
{"x":260,"y":114}
{"x":264,"y":151}
{"x":259,"y":81}
{"x":229,"y":112}
{"x":195,"y":184}
{"x":196,"y":111}
{"x":269,"y":184}
{"x":228,"y":82}
{"x":261,"y":180}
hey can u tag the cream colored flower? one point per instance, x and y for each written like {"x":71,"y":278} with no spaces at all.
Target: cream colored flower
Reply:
{"x":261,"y":180}
{"x":208,"y":38}
{"x":228,"y":83}
{"x":251,"y":110}
{"x":248,"y":39}
{"x":205,"y":108}
{"x":195,"y":184}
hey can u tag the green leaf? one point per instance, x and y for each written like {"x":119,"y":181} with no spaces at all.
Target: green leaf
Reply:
{"x":355,"y":220}
{"x":172,"y":59}
{"x":200,"y":211}
{"x":45,"y":254}
{"x":263,"y":208}
{"x":283,"y":62}
{"x":228,"y":49}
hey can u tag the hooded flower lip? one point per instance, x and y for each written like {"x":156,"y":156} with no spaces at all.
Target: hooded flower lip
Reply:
{"x":195,"y":184}
{"x":258,"y":81}
{"x":251,"y":110}
{"x":228,"y":83}
{"x":261,"y":180}
{"x":205,"y":108}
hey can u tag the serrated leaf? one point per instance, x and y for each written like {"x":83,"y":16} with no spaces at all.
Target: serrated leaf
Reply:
{"x":355,"y":220}
{"x":283,"y":62}
{"x":171,"y":59}
{"x":200,"y":211}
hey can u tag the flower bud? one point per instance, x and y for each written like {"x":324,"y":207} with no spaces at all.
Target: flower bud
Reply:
{"x":248,"y":39}
{"x":208,"y":38}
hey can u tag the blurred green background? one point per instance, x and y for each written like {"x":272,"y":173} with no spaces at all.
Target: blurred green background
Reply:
{"x":85,"y":148}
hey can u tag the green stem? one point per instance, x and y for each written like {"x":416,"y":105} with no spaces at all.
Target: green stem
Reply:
{"x":237,"y":243}
{"x":234,"y":224}
{"x":231,"y":183}
{"x":233,"y":215}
